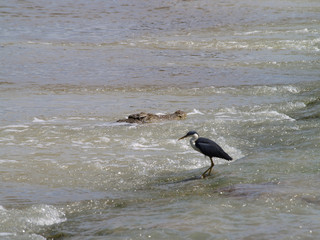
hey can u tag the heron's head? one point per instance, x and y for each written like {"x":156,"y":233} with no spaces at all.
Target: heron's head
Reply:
{"x":190,"y":134}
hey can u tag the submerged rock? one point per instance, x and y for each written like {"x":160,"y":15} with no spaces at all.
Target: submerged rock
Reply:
{"x":150,"y":117}
{"x":250,"y":190}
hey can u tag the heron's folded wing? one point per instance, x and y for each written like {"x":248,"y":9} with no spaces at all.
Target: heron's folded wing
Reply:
{"x":211,"y":149}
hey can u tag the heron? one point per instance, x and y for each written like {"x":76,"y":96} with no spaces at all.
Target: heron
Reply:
{"x":207,"y":147}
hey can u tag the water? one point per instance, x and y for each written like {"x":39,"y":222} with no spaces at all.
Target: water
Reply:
{"x":246,"y":72}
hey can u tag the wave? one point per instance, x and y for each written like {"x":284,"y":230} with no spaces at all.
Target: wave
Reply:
{"x":310,"y":111}
{"x":153,"y":147}
{"x":20,"y":221}
{"x":280,"y":31}
{"x":63,"y":89}
{"x":255,"y":90}
{"x":14,"y":126}
{"x":233,"y":114}
{"x":206,"y":39}
{"x":195,"y":111}
{"x":231,"y":44}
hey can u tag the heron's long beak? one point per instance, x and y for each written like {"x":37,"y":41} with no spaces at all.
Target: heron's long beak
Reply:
{"x":182,"y":137}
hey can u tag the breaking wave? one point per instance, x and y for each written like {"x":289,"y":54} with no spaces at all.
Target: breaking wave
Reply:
{"x":18,"y":222}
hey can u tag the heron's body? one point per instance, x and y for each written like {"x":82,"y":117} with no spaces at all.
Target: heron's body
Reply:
{"x":207,"y":147}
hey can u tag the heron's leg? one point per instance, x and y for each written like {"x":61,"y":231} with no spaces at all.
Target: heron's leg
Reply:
{"x":204,"y":174}
{"x":212,"y":164}
{"x":208,"y":170}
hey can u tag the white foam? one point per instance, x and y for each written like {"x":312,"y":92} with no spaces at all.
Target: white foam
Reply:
{"x":296,"y":105}
{"x":275,"y":89}
{"x":154,"y":147}
{"x":253,"y":32}
{"x":40,"y":43}
{"x":195,"y":111}
{"x":104,"y":139}
{"x":6,"y":234}
{"x":14,"y":126}
{"x":274,"y":115}
{"x":247,"y":33}
{"x":44,"y":215}
{"x":291,"y":89}
{"x":251,"y":116}
{"x":14,"y":130}
{"x":305,"y":30}
{"x":17,"y":220}
{"x":7,"y":161}
{"x":82,"y":144}
{"x":38,"y":120}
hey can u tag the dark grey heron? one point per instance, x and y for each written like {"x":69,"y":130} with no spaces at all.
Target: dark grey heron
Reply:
{"x":207,"y":147}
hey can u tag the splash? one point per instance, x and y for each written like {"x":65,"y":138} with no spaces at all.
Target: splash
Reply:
{"x":14,"y":222}
{"x":194,"y":112}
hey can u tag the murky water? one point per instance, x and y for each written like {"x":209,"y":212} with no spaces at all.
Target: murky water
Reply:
{"x":247,"y":74}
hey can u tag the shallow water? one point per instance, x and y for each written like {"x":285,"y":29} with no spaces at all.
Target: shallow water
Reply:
{"x":245,"y":72}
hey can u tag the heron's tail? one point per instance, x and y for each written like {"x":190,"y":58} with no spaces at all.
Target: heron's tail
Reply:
{"x":227,"y":157}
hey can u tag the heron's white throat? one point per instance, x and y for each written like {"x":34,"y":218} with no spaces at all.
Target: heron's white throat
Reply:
{"x":193,"y":140}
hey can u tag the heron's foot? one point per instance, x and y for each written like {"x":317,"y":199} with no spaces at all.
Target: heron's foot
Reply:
{"x":205,"y":175}
{"x":207,"y":171}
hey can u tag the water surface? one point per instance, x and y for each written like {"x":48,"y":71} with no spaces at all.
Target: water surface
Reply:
{"x":247,"y":74}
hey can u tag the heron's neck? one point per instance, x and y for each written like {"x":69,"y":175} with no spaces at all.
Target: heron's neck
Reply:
{"x":194,"y":137}
{"x":193,"y":140}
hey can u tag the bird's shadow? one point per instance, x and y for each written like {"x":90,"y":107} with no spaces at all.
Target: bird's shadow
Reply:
{"x":180,"y":180}
{"x":187,"y":179}
{"x":195,"y":178}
